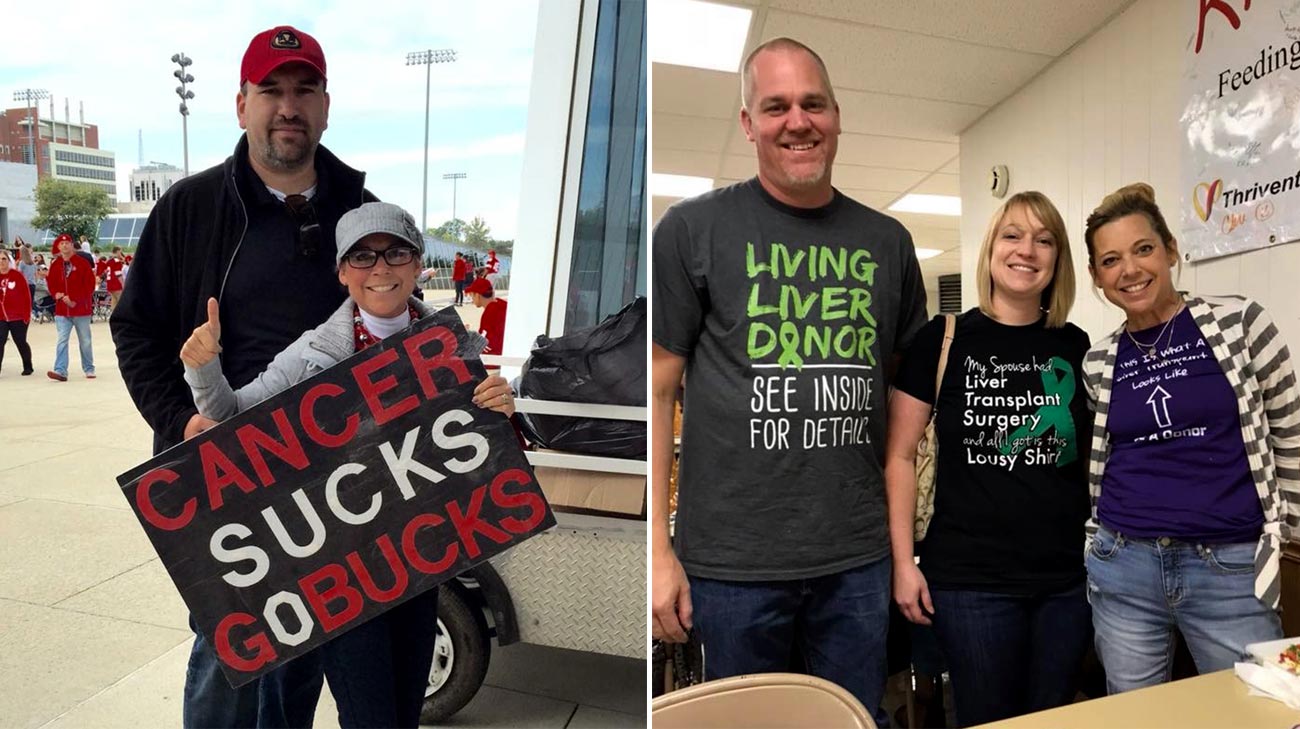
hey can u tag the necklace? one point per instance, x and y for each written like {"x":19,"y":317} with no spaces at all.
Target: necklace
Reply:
{"x":361,"y":336}
{"x":1153,"y":349}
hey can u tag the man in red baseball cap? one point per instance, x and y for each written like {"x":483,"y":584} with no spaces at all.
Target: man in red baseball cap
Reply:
{"x":72,"y":284}
{"x":280,"y":66}
{"x":257,"y":233}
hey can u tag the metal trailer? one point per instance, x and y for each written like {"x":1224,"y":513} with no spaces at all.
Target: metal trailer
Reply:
{"x":580,"y":585}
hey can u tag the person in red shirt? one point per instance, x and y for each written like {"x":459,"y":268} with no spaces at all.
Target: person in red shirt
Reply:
{"x":72,"y":284}
{"x":460,"y":272}
{"x":15,"y":310}
{"x":493,"y":322}
{"x":111,"y":270}
{"x":492,"y":266}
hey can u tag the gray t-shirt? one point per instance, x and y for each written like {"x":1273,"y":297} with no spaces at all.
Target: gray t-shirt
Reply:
{"x":788,"y":318}
{"x":28,"y":270}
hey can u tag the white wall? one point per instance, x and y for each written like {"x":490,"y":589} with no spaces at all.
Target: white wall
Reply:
{"x":18,"y":201}
{"x":540,"y":264}
{"x":1104,"y":115}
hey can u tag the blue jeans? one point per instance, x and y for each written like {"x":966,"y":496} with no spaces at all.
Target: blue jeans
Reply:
{"x":1141,"y":589}
{"x":285,"y":697}
{"x":460,"y":292}
{"x":64,"y":325}
{"x":1009,"y":655}
{"x":840,"y":620}
{"x":378,"y":671}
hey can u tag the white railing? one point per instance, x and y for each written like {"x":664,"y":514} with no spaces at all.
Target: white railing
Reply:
{"x":576,"y":409}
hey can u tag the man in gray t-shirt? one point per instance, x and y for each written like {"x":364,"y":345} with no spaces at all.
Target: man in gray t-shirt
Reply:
{"x":783,"y":302}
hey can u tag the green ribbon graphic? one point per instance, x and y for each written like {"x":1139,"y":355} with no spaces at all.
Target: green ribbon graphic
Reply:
{"x":789,"y":338}
{"x":1053,"y":416}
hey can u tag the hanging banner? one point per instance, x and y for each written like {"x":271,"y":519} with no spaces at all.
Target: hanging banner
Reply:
{"x":1241,"y":127}
{"x":338,"y":499}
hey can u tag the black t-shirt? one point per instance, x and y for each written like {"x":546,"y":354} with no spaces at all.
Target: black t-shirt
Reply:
{"x":787,"y":318}
{"x":1013,"y":424}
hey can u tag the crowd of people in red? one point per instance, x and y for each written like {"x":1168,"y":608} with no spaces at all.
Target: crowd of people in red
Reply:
{"x":65,"y":290}
{"x":480,"y":283}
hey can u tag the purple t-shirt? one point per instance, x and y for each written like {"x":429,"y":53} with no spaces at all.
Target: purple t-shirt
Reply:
{"x":1177,"y":464}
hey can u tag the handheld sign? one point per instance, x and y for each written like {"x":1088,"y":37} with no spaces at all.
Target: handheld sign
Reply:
{"x":337,"y":499}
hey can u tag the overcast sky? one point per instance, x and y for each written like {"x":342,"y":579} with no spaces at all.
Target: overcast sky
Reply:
{"x":116,"y":60}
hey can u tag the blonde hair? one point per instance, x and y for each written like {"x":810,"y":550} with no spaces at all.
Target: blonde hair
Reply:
{"x":1137,"y":198}
{"x":1058,"y":297}
{"x":779,"y":44}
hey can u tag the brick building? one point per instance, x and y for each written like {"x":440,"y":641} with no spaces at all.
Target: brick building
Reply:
{"x":65,"y":150}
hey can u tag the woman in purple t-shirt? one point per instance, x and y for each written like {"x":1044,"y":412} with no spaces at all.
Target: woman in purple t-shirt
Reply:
{"x":1194,"y":451}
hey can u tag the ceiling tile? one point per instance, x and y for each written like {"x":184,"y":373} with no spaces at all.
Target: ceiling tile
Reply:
{"x":939,"y":184}
{"x":694,"y":91}
{"x":907,"y":64}
{"x":684,"y":162}
{"x":938,"y":227}
{"x":1034,"y":26}
{"x":879,"y":179}
{"x":870,"y":198}
{"x":694,"y":133}
{"x":904,"y":116}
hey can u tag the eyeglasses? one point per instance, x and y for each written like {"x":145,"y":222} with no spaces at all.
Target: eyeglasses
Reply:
{"x":366,"y":258}
{"x":304,"y":214}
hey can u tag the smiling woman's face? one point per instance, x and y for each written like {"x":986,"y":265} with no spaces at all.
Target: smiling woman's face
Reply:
{"x":1022,"y":260}
{"x":382,"y":290}
{"x":1132,"y":266}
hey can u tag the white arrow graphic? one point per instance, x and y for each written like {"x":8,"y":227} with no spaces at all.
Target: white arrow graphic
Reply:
{"x":1160,"y":408}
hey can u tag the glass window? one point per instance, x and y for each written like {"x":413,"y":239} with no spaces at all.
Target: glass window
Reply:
{"x":608,"y":265}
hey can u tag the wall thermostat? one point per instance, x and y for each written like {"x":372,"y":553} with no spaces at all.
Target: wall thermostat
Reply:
{"x":999,"y":179}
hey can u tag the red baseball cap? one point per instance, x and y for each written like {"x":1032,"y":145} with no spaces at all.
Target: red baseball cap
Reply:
{"x":60,"y":239}
{"x":480,"y":286}
{"x":273,"y":48}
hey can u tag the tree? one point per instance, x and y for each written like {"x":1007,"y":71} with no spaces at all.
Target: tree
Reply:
{"x":452,"y":230}
{"x":476,"y":234}
{"x":70,"y":207}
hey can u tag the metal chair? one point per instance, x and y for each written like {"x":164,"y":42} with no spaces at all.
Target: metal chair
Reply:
{"x":763,"y":701}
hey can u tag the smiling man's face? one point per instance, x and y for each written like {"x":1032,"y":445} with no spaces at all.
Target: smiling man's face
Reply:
{"x":794,"y":123}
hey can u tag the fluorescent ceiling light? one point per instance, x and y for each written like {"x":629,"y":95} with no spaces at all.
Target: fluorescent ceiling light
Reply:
{"x":699,"y":34}
{"x":679,"y":185}
{"x":929,"y":204}
{"x":924,"y":253}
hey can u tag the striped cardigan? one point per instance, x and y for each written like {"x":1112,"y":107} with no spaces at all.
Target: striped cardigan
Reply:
{"x":1253,"y":356}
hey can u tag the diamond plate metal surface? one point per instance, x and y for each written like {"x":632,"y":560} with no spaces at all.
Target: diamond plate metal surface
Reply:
{"x":581,"y":585}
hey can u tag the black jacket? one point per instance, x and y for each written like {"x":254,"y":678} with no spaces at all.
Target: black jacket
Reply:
{"x":185,"y":250}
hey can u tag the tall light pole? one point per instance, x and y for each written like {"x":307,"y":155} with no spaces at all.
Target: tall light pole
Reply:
{"x":427,"y":59}
{"x":453,"y":176}
{"x":182,"y":60}
{"x":31,"y":96}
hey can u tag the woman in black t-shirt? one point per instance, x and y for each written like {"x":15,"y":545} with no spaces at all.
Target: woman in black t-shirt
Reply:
{"x":1000,"y":573}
